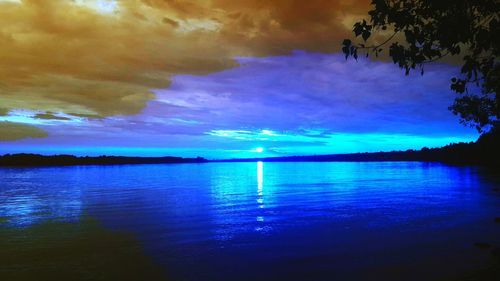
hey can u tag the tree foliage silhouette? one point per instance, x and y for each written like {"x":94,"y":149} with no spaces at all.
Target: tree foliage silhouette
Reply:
{"x":423,"y":31}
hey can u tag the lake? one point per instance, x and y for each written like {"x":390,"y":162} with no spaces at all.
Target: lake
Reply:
{"x":258,"y":221}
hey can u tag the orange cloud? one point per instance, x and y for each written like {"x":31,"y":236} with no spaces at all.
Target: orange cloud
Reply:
{"x":10,"y":131}
{"x":87,"y":59}
{"x":50,"y":116}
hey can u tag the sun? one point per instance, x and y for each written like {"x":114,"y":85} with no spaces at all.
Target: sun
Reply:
{"x":259,"y":149}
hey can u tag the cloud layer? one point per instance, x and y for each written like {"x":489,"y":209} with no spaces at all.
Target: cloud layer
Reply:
{"x":10,"y":131}
{"x":102,"y":57}
{"x":302,"y":103}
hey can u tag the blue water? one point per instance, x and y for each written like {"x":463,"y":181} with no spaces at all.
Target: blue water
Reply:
{"x":277,"y":221}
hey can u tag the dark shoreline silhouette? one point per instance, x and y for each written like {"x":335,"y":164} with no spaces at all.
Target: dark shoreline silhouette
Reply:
{"x":25,"y":159}
{"x":482,"y":152}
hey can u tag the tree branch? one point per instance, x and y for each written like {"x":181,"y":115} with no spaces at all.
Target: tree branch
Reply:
{"x":437,"y":58}
{"x":379,"y":45}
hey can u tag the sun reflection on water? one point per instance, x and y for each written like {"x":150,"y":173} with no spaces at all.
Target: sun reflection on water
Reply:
{"x":260,"y":177}
{"x":260,"y":191}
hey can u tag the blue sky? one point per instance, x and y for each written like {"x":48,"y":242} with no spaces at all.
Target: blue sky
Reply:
{"x":297,"y":104}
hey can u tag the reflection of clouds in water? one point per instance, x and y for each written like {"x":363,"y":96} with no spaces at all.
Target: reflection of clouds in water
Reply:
{"x":25,"y":210}
{"x":191,"y":214}
{"x":20,"y":210}
{"x":33,"y":199}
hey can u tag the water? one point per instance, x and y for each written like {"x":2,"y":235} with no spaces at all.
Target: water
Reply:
{"x":277,"y":221}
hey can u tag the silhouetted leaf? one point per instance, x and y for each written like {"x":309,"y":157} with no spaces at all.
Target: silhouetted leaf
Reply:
{"x":433,"y":29}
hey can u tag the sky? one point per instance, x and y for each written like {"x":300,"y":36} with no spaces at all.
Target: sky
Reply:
{"x":217,"y":79}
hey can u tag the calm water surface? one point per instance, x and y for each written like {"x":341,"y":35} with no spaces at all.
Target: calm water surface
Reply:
{"x":277,"y":221}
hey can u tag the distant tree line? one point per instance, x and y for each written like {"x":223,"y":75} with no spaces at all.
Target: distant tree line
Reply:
{"x":67,"y":160}
{"x":482,"y":152}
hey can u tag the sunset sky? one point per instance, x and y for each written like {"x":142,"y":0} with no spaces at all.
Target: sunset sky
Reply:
{"x":218,"y":79}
